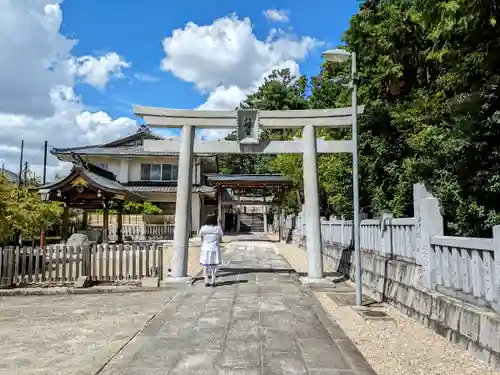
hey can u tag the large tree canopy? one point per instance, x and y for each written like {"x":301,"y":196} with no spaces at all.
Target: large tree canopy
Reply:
{"x":429,"y":78}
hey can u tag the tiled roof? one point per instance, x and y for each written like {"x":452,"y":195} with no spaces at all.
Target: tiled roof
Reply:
{"x":95,"y":176}
{"x":118,"y":150}
{"x":168,"y":189}
{"x":119,"y":147}
{"x":248,"y":178}
{"x":105,"y":182}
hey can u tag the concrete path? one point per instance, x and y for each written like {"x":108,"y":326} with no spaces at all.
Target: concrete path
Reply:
{"x":257,"y":320}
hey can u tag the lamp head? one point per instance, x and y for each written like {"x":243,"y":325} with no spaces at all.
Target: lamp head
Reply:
{"x":336,"y":55}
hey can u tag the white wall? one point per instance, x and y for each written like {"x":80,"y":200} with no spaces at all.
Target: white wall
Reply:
{"x":129,"y":169}
{"x":113,"y":163}
{"x":195,"y":212}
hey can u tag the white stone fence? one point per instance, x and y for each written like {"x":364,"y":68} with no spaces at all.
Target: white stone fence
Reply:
{"x":462,"y":267}
{"x":394,"y":238}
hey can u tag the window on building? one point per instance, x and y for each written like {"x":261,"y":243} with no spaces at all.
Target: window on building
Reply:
{"x":159,"y":172}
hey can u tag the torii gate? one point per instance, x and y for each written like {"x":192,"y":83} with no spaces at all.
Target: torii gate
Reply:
{"x":247,"y":122}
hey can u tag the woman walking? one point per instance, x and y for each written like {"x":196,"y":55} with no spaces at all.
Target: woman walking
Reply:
{"x":210,"y":258}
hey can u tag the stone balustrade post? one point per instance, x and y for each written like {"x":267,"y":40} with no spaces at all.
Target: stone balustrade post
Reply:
{"x":496,"y":276}
{"x":419,"y":193}
{"x":342,"y":231}
{"x":431,"y":224}
{"x":143,"y":234}
{"x":386,"y":235}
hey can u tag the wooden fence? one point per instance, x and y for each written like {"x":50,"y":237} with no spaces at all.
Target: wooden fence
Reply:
{"x":64,"y":264}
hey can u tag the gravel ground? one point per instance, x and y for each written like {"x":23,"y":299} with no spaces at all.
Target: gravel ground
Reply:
{"x":72,"y":334}
{"x":398,"y":346}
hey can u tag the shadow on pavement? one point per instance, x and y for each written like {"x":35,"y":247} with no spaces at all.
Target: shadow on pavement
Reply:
{"x":229,"y":282}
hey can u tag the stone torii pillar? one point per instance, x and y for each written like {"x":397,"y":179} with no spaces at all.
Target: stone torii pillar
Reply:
{"x":311,"y":195}
{"x":183,"y":204}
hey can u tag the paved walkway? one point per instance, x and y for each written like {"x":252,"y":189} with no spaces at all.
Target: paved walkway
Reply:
{"x":257,"y":320}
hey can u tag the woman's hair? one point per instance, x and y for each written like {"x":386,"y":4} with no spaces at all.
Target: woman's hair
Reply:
{"x":211,"y":220}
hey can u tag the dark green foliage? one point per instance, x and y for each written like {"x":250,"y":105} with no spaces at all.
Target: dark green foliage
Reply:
{"x":429,"y":78}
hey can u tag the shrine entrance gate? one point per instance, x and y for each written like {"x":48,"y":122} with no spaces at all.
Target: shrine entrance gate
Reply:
{"x":248,"y":123}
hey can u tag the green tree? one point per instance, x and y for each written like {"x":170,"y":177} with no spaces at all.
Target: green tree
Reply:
{"x":22,"y":212}
{"x":429,"y":78}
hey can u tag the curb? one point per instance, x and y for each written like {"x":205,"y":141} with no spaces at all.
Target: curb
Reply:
{"x":57,"y":291}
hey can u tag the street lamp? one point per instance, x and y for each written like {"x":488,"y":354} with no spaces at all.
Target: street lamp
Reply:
{"x":339,"y":56}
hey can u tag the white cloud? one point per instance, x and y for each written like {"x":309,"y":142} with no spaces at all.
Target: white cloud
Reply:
{"x":227,"y":61}
{"x":224,"y":98}
{"x":37,"y":101}
{"x":145,"y":77}
{"x":278,"y":15}
{"x":97,"y":71}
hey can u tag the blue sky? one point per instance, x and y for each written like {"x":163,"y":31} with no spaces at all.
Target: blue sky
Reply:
{"x":135,"y":29}
{"x":106,"y":55}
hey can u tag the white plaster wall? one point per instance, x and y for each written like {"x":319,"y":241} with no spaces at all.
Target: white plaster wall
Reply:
{"x":160,"y":197}
{"x":113,"y":163}
{"x":135,"y":167}
{"x":195,"y":212}
{"x":124,"y":170}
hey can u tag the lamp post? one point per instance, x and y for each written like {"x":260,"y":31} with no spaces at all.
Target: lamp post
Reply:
{"x":338,"y":56}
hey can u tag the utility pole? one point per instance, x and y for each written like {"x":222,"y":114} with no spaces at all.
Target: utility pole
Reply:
{"x":45,"y":163}
{"x":19,"y":177}
{"x":25,"y":174}
{"x":42,"y":233}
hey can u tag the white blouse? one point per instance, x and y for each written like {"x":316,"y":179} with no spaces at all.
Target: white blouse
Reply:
{"x":211,"y":237}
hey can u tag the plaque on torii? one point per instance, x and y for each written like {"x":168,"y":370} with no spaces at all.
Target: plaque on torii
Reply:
{"x":248,"y":126}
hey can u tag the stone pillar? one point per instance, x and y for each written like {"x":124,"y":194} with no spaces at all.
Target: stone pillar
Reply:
{"x":265,"y":219}
{"x":386,"y":235}
{"x":419,"y":193}
{"x":311,"y":195}
{"x":65,"y":224}
{"x":238,"y":213}
{"x":119,"y":223}
{"x":219,"y":205}
{"x":183,"y":204}
{"x":143,"y":235}
{"x":431,"y":225}
{"x":105,"y":223}
{"x":496,"y":254}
